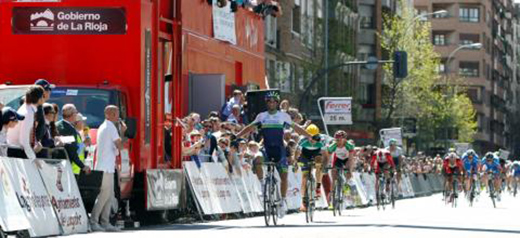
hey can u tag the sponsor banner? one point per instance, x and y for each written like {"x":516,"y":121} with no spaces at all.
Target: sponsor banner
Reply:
{"x":337,"y":111}
{"x":69,"y":20}
{"x":369,"y":182}
{"x":391,"y":133}
{"x":197,"y":182}
{"x":254,"y":188}
{"x":32,"y":197}
{"x":355,"y":194}
{"x":238,"y":179}
{"x":224,"y":23}
{"x":163,"y":188}
{"x":221,"y":188}
{"x":12,"y":217}
{"x":294,"y":192}
{"x":65,"y":197}
{"x":406,"y":186}
{"x":504,"y":154}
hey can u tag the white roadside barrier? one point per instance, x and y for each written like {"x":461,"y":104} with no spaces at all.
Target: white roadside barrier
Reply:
{"x":46,"y":200}
{"x":218,"y":192}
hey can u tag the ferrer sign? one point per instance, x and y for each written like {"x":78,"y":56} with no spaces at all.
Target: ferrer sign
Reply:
{"x":69,"y":21}
{"x":337,"y":111}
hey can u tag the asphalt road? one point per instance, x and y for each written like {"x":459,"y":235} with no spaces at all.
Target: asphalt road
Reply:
{"x":419,"y":217}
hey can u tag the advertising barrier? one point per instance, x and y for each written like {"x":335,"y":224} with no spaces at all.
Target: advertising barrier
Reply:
{"x":32,"y":196}
{"x":65,"y":197}
{"x":218,"y":192}
{"x":164,"y":188}
{"x":12,"y":217}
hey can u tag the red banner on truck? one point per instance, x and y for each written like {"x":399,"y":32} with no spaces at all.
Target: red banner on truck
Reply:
{"x":69,"y":21}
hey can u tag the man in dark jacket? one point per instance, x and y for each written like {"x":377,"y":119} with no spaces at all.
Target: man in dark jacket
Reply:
{"x":40,"y":117}
{"x":66,"y":128}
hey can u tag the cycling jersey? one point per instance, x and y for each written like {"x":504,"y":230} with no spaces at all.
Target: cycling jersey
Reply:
{"x":452,"y":168}
{"x":272,"y":130}
{"x":470,"y":166}
{"x":310,"y":150}
{"x":396,"y":154}
{"x":272,"y":126}
{"x":381,"y":158}
{"x":494,"y":166}
{"x":341,"y":153}
{"x":516,"y":170}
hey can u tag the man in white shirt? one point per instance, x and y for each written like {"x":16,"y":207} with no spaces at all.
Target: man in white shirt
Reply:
{"x":22,"y":135}
{"x":108,"y":145}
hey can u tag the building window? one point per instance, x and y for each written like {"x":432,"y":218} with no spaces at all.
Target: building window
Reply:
{"x":296,"y":19}
{"x":442,"y":66}
{"x":440,"y":8}
{"x":439,"y":39}
{"x":469,"y":69}
{"x":469,"y":14}
{"x":270,"y":31}
{"x":475,"y":95}
{"x":468,"y":39}
{"x":367,"y":16}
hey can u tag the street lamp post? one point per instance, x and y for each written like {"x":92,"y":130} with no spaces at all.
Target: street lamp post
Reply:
{"x":450,"y":56}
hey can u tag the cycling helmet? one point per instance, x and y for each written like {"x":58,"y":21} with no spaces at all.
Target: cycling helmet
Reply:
{"x":490,"y":155}
{"x":272,"y":95}
{"x":312,"y":130}
{"x":393,"y":141}
{"x":452,"y":155}
{"x":340,"y":134}
{"x":471,"y":152}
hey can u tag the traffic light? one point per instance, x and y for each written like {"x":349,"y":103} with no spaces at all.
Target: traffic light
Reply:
{"x":400,"y":64}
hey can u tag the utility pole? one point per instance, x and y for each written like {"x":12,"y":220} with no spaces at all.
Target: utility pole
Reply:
{"x":326,"y":42}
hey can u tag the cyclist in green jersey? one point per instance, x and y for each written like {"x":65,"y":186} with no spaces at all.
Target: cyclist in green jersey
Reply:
{"x":310,"y":149}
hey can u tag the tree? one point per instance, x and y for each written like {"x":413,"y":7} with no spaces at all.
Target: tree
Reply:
{"x":423,"y":95}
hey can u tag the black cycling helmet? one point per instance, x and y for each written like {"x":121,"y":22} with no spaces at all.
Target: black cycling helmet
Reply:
{"x":272,"y":95}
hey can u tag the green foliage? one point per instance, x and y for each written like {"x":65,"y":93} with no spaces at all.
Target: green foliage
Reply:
{"x":419,"y":95}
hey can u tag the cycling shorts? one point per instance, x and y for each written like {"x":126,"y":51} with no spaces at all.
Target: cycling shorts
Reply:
{"x":339,"y":163}
{"x":383,"y":165}
{"x":277,"y":154}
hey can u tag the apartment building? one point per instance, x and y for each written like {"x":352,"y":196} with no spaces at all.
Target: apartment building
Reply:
{"x":487,"y":70}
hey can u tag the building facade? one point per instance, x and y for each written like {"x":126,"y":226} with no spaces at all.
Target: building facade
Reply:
{"x":487,"y":70}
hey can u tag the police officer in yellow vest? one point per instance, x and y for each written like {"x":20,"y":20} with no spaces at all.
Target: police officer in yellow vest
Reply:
{"x":82,"y":139}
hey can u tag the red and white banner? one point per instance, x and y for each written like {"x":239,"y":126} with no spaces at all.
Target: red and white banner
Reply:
{"x":12,"y":217}
{"x":65,"y":197}
{"x":32,"y":196}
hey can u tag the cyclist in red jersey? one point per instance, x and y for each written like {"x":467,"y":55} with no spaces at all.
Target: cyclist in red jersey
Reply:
{"x":451,"y":166}
{"x":382,"y":160}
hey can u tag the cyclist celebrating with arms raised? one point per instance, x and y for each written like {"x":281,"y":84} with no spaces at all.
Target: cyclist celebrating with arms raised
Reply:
{"x":272,"y":123}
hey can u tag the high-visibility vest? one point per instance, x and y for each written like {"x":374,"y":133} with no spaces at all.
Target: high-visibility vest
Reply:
{"x":81,"y":154}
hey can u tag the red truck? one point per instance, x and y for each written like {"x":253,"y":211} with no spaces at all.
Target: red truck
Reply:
{"x":141,"y":55}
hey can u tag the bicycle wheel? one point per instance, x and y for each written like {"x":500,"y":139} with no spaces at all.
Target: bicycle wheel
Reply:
{"x":312,"y":204}
{"x":492,"y":192}
{"x":393,"y":192}
{"x":340,"y":198}
{"x":275,"y":202}
{"x":454,"y":192}
{"x":471,"y":196}
{"x":335,"y":198}
{"x":267,"y":199}
{"x":309,"y":194}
